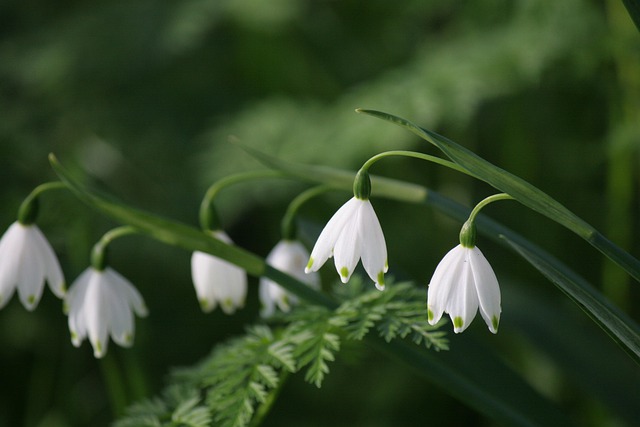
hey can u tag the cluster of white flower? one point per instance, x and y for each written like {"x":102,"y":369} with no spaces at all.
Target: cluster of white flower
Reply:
{"x":462,"y":283}
{"x":101,"y":303}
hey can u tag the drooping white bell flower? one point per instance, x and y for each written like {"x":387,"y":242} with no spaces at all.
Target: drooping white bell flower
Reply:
{"x":218,"y":281}
{"x":101,"y":303}
{"x":26,"y":262}
{"x":463,"y":283}
{"x":352,"y":233}
{"x":290,"y":257}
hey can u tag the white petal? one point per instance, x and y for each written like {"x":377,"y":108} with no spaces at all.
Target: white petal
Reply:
{"x":348,"y":246}
{"x":266,"y":302}
{"x":30,"y":282}
{"x":11,"y":247}
{"x":97,"y":313}
{"x":30,"y":270}
{"x":290,"y":257}
{"x":121,"y":327}
{"x":74,"y":305}
{"x":218,"y":281}
{"x":463,"y":299}
{"x":326,"y":242}
{"x":128,"y":292}
{"x":487,"y":288}
{"x":231,"y":288}
{"x":442,"y":283}
{"x":52,"y":270}
{"x":374,"y":248}
{"x":203,"y":268}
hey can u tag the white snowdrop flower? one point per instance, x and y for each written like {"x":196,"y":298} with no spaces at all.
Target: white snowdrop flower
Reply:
{"x":26,"y":262}
{"x":218,"y":281}
{"x":290,"y":257}
{"x":101,"y":303}
{"x":352,"y":233}
{"x":463,"y":282}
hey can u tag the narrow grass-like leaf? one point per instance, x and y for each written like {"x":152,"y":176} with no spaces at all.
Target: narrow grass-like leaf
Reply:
{"x":519,"y":189}
{"x":620,"y":327}
{"x":633,"y":7}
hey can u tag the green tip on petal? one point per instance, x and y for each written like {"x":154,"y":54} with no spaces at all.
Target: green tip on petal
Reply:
{"x":310,"y":264}
{"x":128,"y":338}
{"x":458,"y":322}
{"x":494,"y":323}
{"x":74,"y":336}
{"x":31,"y":299}
{"x":98,"y":347}
{"x":204,"y":304}
{"x":381,"y":278}
{"x":344,"y":272}
{"x":429,"y":315}
{"x":63,"y":288}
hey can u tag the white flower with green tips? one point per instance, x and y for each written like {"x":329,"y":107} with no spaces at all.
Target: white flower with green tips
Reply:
{"x":218,"y":281}
{"x":100,"y":303}
{"x":26,"y":262}
{"x":352,"y":233}
{"x":463,"y":283}
{"x":289,"y":256}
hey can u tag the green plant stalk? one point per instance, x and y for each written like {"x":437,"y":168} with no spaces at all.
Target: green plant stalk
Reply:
{"x":288,"y":223}
{"x":115,"y":385}
{"x":28,"y":210}
{"x":633,"y":7}
{"x":415,"y":155}
{"x":208,"y":217}
{"x":520,"y":190}
{"x":467,"y":385}
{"x":99,"y":251}
{"x":623,"y":330}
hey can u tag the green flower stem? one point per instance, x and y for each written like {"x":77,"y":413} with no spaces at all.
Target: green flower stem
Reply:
{"x":208,"y":217}
{"x":485,"y":202}
{"x":28,"y":210}
{"x":468,"y":231}
{"x":114,"y":382}
{"x":288,"y":227}
{"x":99,"y":251}
{"x":415,"y":155}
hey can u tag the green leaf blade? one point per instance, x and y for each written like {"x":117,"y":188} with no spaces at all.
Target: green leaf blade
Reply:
{"x":623,"y":330}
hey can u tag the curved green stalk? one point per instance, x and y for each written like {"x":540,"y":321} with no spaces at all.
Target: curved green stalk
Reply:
{"x":415,"y":155}
{"x":520,"y":189}
{"x":485,"y":202}
{"x":288,"y":228}
{"x":208,"y":217}
{"x":99,"y":251}
{"x":114,"y":382}
{"x":29,"y":207}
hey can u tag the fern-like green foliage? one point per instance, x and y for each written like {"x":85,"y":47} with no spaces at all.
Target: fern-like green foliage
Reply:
{"x":237,"y":383}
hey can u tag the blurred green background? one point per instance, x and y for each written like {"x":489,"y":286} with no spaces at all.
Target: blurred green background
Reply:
{"x":144,"y":96}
